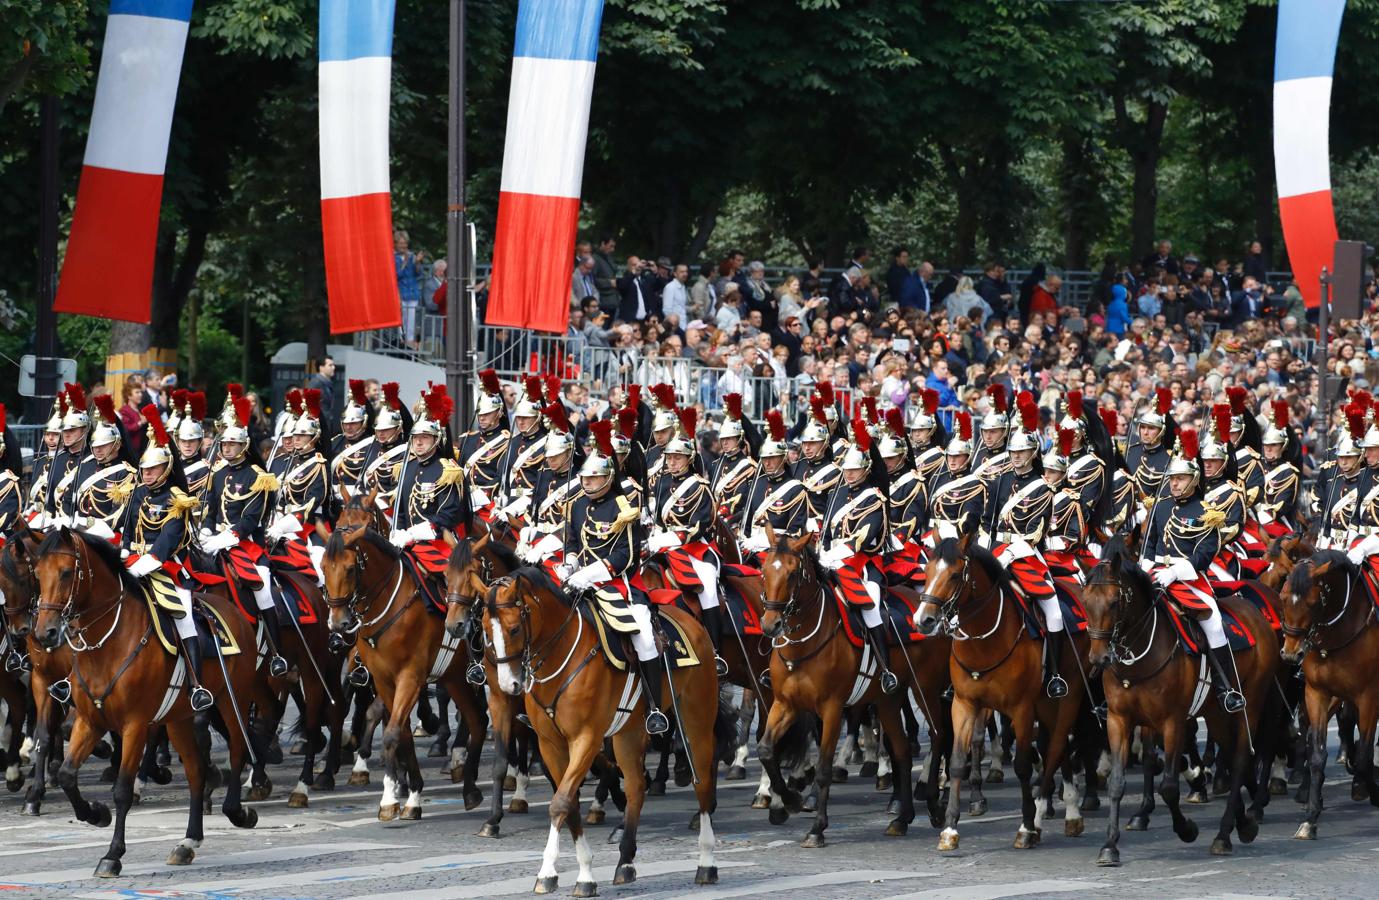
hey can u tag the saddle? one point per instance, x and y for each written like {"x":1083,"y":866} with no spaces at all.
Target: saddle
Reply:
{"x":898,"y":606}
{"x":616,"y":646}
{"x":432,"y":587}
{"x":291,"y":593}
{"x":1194,"y":641}
{"x":1249,"y":590}
{"x":210,"y":622}
{"x":732,"y":599}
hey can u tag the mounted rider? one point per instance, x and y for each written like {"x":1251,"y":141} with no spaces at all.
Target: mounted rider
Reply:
{"x":11,"y":493}
{"x":189,"y":434}
{"x":991,"y":456}
{"x":43,"y":461}
{"x":928,"y":439}
{"x":907,"y":500}
{"x":93,"y":494}
{"x":816,"y":468}
{"x":735,"y":469}
{"x":1183,"y":539}
{"x":603,"y":552}
{"x":1221,"y":486}
{"x":482,"y":448}
{"x":556,"y":487}
{"x":156,"y":532}
{"x":350,"y":447}
{"x":525,"y":452}
{"x":301,"y":514}
{"x":1065,"y":544}
{"x":1277,"y":509}
{"x":1337,"y":502}
{"x":663,"y":423}
{"x":1148,"y":459}
{"x":430,"y":492}
{"x":956,"y":495}
{"x":391,"y":425}
{"x":774,"y":497}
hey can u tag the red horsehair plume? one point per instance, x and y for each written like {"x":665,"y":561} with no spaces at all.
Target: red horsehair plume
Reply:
{"x":1362,"y":400}
{"x":1024,"y":398}
{"x":553,"y":388}
{"x":76,"y":397}
{"x":390,"y":395}
{"x":860,"y":435}
{"x":1074,"y":405}
{"x":775,"y":423}
{"x":155,"y":425}
{"x":895,"y":422}
{"x":1163,"y":400}
{"x":357,"y":392}
{"x":1221,"y":419}
{"x":930,"y":400}
{"x":556,"y":413}
{"x":1355,"y":420}
{"x":627,"y":422}
{"x":1029,"y":416}
{"x":196,"y":403}
{"x":733,"y":404}
{"x":826,"y":393}
{"x":489,"y":379}
{"x":689,"y":420}
{"x":533,"y":386}
{"x":313,"y":402}
{"x":1187,"y":440}
{"x":105,"y":405}
{"x":3,"y":418}
{"x":294,"y":401}
{"x":1237,"y":397}
{"x":61,"y":400}
{"x":1280,"y":408}
{"x":1110,"y":419}
{"x":964,"y":425}
{"x":1065,"y":441}
{"x":234,"y":390}
{"x":242,"y":409}
{"x":179,"y":399}
{"x":997,"y":392}
{"x":664,"y":394}
{"x":816,"y":409}
{"x":603,"y":436}
{"x":869,"y":404}
{"x":438,"y":404}
{"x":634,"y":396}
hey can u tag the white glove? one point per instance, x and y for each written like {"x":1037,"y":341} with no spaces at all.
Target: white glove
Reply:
{"x":422,"y":531}
{"x":517,"y":507}
{"x":144,"y":565}
{"x":527,"y":535}
{"x":1183,"y":570}
{"x":61,"y":520}
{"x":124,"y":553}
{"x":812,"y":525}
{"x":756,"y":542}
{"x":1056,"y":543}
{"x":286,"y":525}
{"x":98,"y":528}
{"x":563,"y":570}
{"x":40,"y":522}
{"x":587,"y":577}
{"x":833,"y":557}
{"x":662,"y":540}
{"x":1146,"y":564}
{"x":227,"y":540}
{"x":1164,"y":577}
{"x":400,"y":538}
{"x":478,"y":497}
{"x":546,"y":546}
{"x":1367,"y":547}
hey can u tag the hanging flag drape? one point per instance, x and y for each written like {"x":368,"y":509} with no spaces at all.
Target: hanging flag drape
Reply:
{"x":543,"y":162}
{"x":108,"y":270}
{"x":1304,"y":58}
{"x":356,"y":62}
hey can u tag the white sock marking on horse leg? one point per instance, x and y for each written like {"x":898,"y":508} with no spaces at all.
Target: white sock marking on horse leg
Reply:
{"x":1103,"y":765}
{"x":389,"y":797}
{"x":413,"y":800}
{"x":1072,"y":800}
{"x":456,"y":758}
{"x":869,"y":745}
{"x":360,"y":764}
{"x":26,"y":749}
{"x":585,"y":854}
{"x":883,"y":765}
{"x":595,"y":806}
{"x":740,"y":757}
{"x":764,"y":785}
{"x":12,"y":772}
{"x":552,"y":851}
{"x":706,"y":841}
{"x":521,"y":792}
{"x":1277,"y":771}
{"x":302,"y":789}
{"x":1041,"y":805}
{"x":139,"y":785}
{"x":849,"y":744}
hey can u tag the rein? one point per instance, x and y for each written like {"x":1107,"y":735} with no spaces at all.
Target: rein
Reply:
{"x":533,"y":659}
{"x":1123,"y":658}
{"x":950,"y":617}
{"x":67,"y":611}
{"x":788,"y":610}
{"x":1311,"y":635}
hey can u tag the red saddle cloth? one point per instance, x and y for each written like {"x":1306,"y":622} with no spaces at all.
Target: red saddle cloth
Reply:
{"x":1032,"y":575}
{"x":680,"y":568}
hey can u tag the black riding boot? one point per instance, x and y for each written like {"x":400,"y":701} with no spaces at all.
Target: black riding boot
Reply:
{"x":877,"y":635}
{"x":196,"y":691}
{"x":277,"y":666}
{"x":713,"y":624}
{"x":1054,"y":685}
{"x":1222,"y":665}
{"x":656,"y":721}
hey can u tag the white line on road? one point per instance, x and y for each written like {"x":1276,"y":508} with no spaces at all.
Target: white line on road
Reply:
{"x":84,"y":845}
{"x":997,"y":891}
{"x":801,"y":882}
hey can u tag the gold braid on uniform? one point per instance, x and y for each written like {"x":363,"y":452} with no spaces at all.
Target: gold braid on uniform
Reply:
{"x":451,"y":473}
{"x":264,"y":483}
{"x":183,"y":502}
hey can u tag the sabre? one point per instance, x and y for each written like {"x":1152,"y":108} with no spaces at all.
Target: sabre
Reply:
{"x":914,"y":678}
{"x":234,"y":704}
{"x":679,"y":723}
{"x":297,"y":627}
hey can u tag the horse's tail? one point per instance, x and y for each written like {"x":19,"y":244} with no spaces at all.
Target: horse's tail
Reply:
{"x":793,"y":747}
{"x":726,"y":732}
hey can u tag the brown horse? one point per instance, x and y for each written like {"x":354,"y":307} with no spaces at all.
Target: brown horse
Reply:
{"x":995,"y":666}
{"x":1150,"y":682}
{"x":1329,"y":627}
{"x":373,"y":595}
{"x":1283,"y":554}
{"x":816,"y":669}
{"x":544,"y":649}
{"x":88,"y":600}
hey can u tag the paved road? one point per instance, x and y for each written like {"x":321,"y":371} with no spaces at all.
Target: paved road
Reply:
{"x":338,"y":849}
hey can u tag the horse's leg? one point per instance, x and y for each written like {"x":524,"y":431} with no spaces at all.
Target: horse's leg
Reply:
{"x":564,"y":811}
{"x":976,"y":802}
{"x":1367,"y":709}
{"x":737,"y":770}
{"x":1022,"y":721}
{"x":1118,"y":732}
{"x":474,"y":719}
{"x":1091,"y":745}
{"x":1140,"y":820}
{"x":312,"y":700}
{"x":503,"y":723}
{"x":133,"y":740}
{"x":18,"y":702}
{"x":149,"y":770}
{"x":440,"y":747}
{"x":410,"y":766}
{"x":1318,"y":713}
{"x":403,"y":698}
{"x":1183,"y":827}
{"x":784,"y":801}
{"x":940,"y":753}
{"x":79,"y":746}
{"x":967,"y":724}
{"x":1236,"y":815}
{"x":336,"y":713}
{"x":1196,"y":773}
{"x":658,"y":780}
{"x":901,"y":754}
{"x":183,"y":738}
{"x":47,"y":725}
{"x":831,"y":717}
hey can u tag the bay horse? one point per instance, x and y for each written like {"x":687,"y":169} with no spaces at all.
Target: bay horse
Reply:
{"x":1150,"y":682}
{"x":815,"y":668}
{"x":545,"y":652}
{"x":120,"y":683}
{"x":1329,"y":628}
{"x":994,"y":665}
{"x":373,"y":596}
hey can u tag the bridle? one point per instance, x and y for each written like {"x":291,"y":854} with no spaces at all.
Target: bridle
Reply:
{"x":950,"y":609}
{"x":531,"y":659}
{"x":788,"y":608}
{"x":357,"y":601}
{"x":69,"y":615}
{"x":1119,"y":636}
{"x":1310,"y":635}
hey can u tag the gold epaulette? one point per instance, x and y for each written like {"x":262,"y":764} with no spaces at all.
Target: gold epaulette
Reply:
{"x":183,"y":502}
{"x":120,"y":492}
{"x":1212,"y":516}
{"x":451,"y":473}
{"x":626,"y":512}
{"x":264,"y":482}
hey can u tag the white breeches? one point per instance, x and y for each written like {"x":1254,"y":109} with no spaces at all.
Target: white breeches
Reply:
{"x":1053,"y":613}
{"x":186,"y":626}
{"x":643,"y":641}
{"x":317,"y":554}
{"x":708,"y":574}
{"x":1212,"y":627}
{"x":263,"y":597}
{"x":871,"y":615}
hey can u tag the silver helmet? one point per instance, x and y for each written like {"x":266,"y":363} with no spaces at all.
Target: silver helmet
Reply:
{"x":731,"y":428}
{"x":387,"y":418}
{"x":1214,"y":449}
{"x":814,"y":431}
{"x":854,"y":458}
{"x":1055,"y":461}
{"x":596,"y":465}
{"x":189,"y":429}
{"x":891,"y":446}
{"x":919,"y":420}
{"x":1022,"y":440}
{"x":664,"y":419}
{"x":490,"y":403}
{"x":558,"y":442}
{"x":104,"y":433}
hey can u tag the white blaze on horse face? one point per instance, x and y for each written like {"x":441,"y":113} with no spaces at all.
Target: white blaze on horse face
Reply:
{"x":776,"y":564}
{"x":507,"y":676}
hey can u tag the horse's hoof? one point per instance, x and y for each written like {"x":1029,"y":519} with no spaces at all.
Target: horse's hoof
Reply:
{"x":810,"y":802}
{"x":868,"y":769}
{"x":885,"y":782}
{"x":298,"y":801}
{"x":1247,"y":828}
{"x":324,"y":782}
{"x":1277,"y":787}
{"x":1110,"y":857}
{"x":1026,"y":840}
{"x":706,"y":875}
{"x":100,"y":815}
{"x":1307,"y":831}
{"x":977,"y":807}
{"x":682,"y":776}
{"x":32,"y":809}
{"x":995,"y":776}
{"x":813,"y":841}
{"x":273,"y":755}
{"x":627,"y":873}
{"x":107,"y":868}
{"x":735,"y":773}
{"x":261,"y":791}
{"x":595,"y":817}
{"x":297,"y":749}
{"x":456,"y":774}
{"x":1137,"y":823}
{"x":1221,"y":847}
{"x":1189,"y":831}
{"x":411,"y":814}
{"x":488,"y":830}
{"x":161,"y":775}
{"x":897,"y":828}
{"x":1090,"y":803}
{"x":517,"y":805}
{"x":656,"y":789}
{"x":778,"y":815}
{"x":793,"y":801}
{"x":438,"y":751}
{"x":388,"y":813}
{"x":181,"y":855}
{"x":948,"y":840}
{"x":108,"y":775}
{"x":586,"y":889}
{"x":358,"y":779}
{"x":1074,"y":827}
{"x":473,"y":798}
{"x":840,"y":775}
{"x":14,"y":786}
{"x":1220,"y":785}
{"x":546,"y":885}
{"x":1196,"y":797}
{"x":509,"y":783}
{"x":1358,"y":792}
{"x":760,"y":801}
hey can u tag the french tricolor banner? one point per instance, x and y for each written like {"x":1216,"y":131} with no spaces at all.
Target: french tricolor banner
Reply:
{"x":543,"y":162}
{"x":1304,"y":57}
{"x":356,"y":62}
{"x":108,"y":270}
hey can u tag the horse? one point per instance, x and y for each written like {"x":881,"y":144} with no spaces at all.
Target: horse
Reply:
{"x":822,"y":674}
{"x":88,"y":600}
{"x":995,"y":666}
{"x":1329,"y":628}
{"x":371,"y":591}
{"x":545,"y":652}
{"x":1150,"y":682}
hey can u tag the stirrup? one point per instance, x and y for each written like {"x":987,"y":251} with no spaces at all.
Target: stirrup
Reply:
{"x":889,"y":683}
{"x":765,"y":678}
{"x":720,"y":666}
{"x":475,"y":674}
{"x":1232,"y":701}
{"x":359,"y":676}
{"x":656,"y":722}
{"x":277,"y":666}
{"x":201,"y":699}
{"x":14,"y":662}
{"x":1057,"y":688}
{"x":61,"y":691}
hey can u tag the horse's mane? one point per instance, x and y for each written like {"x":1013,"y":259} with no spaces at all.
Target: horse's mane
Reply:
{"x":1116,"y":557}
{"x":336,"y":544}
{"x":1276,"y":545}
{"x":102,"y":549}
{"x":1301,"y":580}
{"x":8,"y":564}
{"x":950,"y":552}
{"x":504,"y":553}
{"x":540,"y":578}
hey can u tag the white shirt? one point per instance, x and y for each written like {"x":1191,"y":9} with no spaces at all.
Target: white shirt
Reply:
{"x":674,"y":301}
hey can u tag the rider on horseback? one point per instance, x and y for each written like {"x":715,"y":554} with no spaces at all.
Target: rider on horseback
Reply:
{"x":522,"y":461}
{"x":43,"y":461}
{"x":390,"y":428}
{"x":11,"y":494}
{"x":1338,"y":500}
{"x":301,"y":513}
{"x":430,"y":490}
{"x":601,"y":556}
{"x":1066,"y":540}
{"x":556,"y":486}
{"x":1184,"y":537}
{"x":815,"y":468}
{"x":957,"y":496}
{"x":1277,"y":510}
{"x":1223,"y":492}
{"x":156,"y":533}
{"x":995,"y":432}
{"x":735,"y":468}
{"x":350,"y":448}
{"x":663,"y":423}
{"x":483,"y":448}
{"x":775,"y":497}
{"x":93,"y":494}
{"x":189,"y":434}
{"x":926,"y":437}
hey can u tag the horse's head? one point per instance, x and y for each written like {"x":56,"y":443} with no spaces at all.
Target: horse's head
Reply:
{"x":507,"y":622}
{"x":358,"y":511}
{"x":1115,"y":589}
{"x":62,"y":566}
{"x":464,"y":581}
{"x":351,"y":555}
{"x":947,"y":580}
{"x":788,"y":563}
{"x":1283,"y":555}
{"x":1314,"y":592}
{"x":19,"y":581}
